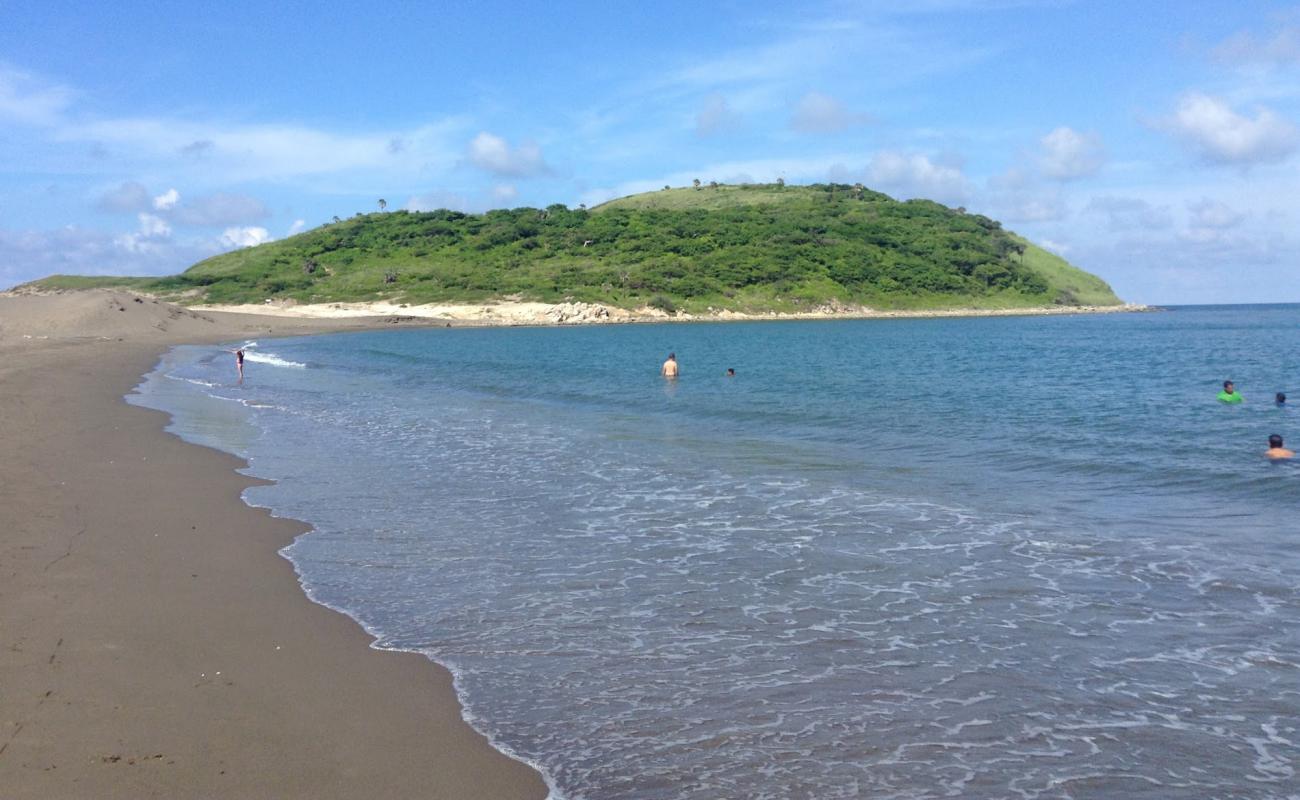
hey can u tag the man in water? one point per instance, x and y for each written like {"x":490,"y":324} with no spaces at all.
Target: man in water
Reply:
{"x":1276,"y":450}
{"x":731,"y":372}
{"x":669,"y":369}
{"x":1229,"y":395}
{"x":1280,"y":399}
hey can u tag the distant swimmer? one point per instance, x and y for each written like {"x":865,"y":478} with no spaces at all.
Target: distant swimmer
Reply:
{"x":1280,"y":399}
{"x":1230,"y":395}
{"x":731,"y":373}
{"x":669,"y":369}
{"x":1276,"y":450}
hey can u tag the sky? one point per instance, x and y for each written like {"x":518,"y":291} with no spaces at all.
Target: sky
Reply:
{"x":1156,"y":144}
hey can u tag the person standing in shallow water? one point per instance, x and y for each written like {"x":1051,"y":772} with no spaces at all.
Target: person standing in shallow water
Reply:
{"x":669,"y":369}
{"x":1230,"y":395}
{"x":239,"y":362}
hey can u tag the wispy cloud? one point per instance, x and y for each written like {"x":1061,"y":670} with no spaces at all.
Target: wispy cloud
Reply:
{"x":127,"y":198}
{"x":716,"y":117}
{"x":1129,"y":213}
{"x":236,"y":151}
{"x":820,"y":113}
{"x":221,"y":208}
{"x":1280,"y":46}
{"x":1020,"y":195}
{"x":27,"y":99}
{"x":432,"y":201}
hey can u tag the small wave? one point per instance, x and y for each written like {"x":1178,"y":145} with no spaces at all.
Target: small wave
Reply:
{"x":272,"y":359}
{"x":195,"y":381}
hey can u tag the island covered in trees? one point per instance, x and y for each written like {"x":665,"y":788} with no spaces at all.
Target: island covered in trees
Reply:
{"x":749,"y":248}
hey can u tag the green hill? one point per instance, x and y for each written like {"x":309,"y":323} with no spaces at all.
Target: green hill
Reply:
{"x":750,"y":247}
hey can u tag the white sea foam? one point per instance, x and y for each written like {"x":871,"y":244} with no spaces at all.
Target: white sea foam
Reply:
{"x":271,"y":359}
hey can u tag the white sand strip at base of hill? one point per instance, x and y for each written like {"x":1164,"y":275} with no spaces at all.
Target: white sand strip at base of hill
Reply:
{"x":578,"y":313}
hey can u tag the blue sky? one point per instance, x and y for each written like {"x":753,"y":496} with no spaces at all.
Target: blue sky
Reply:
{"x":1154,"y":143}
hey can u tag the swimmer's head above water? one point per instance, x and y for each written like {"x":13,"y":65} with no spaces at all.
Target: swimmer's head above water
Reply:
{"x":1276,"y":449}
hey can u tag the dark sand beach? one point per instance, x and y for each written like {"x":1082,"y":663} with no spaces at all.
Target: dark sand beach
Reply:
{"x":152,"y":641}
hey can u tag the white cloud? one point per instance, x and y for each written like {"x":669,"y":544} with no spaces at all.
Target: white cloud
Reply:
{"x":1067,"y":154}
{"x":167,"y":200}
{"x":297,"y":227}
{"x":504,"y":193}
{"x":243,"y":237}
{"x":909,"y":175}
{"x":1129,"y":213}
{"x":128,"y":198}
{"x":1060,"y":248}
{"x":1219,"y":134}
{"x":821,"y":113}
{"x":494,"y":154}
{"x":715,"y":117}
{"x":26,"y":99}
{"x":153,"y":226}
{"x":151,"y":237}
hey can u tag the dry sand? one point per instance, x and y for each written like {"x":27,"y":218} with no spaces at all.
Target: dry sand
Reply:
{"x":152,"y":642}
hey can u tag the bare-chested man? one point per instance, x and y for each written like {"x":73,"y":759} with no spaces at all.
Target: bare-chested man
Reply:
{"x":669,"y":369}
{"x":1276,"y":450}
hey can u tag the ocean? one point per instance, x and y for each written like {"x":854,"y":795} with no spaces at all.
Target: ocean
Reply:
{"x":1024,"y":557}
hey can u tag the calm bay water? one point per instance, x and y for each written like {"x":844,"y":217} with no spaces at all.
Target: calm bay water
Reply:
{"x":1016,"y":557}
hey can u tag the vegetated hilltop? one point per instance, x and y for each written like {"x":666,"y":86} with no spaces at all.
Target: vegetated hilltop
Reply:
{"x":747,"y":248}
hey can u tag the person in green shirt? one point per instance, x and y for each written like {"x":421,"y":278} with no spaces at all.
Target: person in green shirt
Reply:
{"x":1230,"y":395}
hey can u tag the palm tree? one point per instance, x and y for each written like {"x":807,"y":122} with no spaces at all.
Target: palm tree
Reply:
{"x":696,"y":183}
{"x":382,"y":204}
{"x":336,"y":218}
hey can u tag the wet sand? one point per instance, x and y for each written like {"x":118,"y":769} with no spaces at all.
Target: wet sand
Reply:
{"x":152,"y":641}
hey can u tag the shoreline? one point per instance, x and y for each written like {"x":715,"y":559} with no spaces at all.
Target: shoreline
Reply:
{"x":156,"y":641}
{"x":511,"y":312}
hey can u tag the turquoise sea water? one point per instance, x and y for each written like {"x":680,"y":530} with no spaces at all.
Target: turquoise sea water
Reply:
{"x":1000,"y":557}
